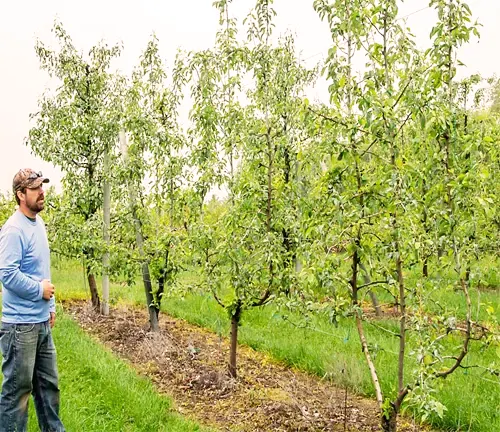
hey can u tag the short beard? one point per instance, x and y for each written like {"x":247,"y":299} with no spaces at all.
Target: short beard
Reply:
{"x":36,"y":207}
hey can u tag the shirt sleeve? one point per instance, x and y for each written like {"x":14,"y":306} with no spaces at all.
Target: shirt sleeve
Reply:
{"x":11,"y":253}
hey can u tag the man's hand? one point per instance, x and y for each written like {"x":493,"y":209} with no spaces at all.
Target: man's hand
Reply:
{"x":52,"y":319}
{"x":48,"y":289}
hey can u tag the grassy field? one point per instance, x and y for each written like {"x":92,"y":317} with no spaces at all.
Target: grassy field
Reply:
{"x":101,"y":393}
{"x":472,"y":397}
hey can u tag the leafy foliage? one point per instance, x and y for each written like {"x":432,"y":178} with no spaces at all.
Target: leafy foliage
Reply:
{"x":388,"y":190}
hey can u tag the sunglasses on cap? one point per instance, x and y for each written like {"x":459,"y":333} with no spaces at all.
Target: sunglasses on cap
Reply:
{"x":33,"y":175}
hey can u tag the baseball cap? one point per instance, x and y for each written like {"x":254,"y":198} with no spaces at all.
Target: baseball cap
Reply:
{"x":28,"y":178}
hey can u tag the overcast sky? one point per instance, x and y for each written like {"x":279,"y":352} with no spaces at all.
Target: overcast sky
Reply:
{"x":190,"y":24}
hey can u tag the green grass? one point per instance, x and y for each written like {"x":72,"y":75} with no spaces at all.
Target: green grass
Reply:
{"x":335,"y":351}
{"x":443,"y":292}
{"x":472,"y":398}
{"x":101,"y":393}
{"x":484,"y":290}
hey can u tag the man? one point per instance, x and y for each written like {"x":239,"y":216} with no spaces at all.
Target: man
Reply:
{"x":28,"y":313}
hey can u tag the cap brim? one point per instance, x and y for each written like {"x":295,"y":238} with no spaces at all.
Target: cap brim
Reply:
{"x":36,"y":183}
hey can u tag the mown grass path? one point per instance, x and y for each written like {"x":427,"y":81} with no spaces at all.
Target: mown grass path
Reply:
{"x":100,"y":393}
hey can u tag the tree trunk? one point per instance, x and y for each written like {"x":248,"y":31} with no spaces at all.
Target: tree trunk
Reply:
{"x":164,"y":277}
{"x":425,"y":267}
{"x":288,"y":244}
{"x":106,"y":218}
{"x":159,"y":294}
{"x":390,"y":424}
{"x":235,"y":322}
{"x":94,"y":295}
{"x":148,"y":289}
{"x":146,"y":277}
{"x":290,"y":256}
{"x":440,"y":251}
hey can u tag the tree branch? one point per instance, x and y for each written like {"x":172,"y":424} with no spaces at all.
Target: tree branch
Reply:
{"x":337,"y":121}
{"x":373,"y":283}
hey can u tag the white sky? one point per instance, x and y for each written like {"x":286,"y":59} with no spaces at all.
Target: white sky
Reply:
{"x":190,"y":24}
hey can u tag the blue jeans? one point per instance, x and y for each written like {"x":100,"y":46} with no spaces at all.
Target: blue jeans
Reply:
{"x":29,"y":367}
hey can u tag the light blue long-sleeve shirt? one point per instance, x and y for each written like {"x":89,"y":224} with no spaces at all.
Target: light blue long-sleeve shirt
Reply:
{"x":24,"y":263}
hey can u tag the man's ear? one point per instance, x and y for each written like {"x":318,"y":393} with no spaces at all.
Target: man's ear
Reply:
{"x":20,"y":195}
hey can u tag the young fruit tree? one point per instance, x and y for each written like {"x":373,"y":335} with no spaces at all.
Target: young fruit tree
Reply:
{"x":382,"y":120}
{"x":248,"y":143}
{"x":76,"y":125}
{"x":218,"y":133}
{"x":152,"y":172}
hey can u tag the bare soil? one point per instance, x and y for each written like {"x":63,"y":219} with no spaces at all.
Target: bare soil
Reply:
{"x":189,"y":364}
